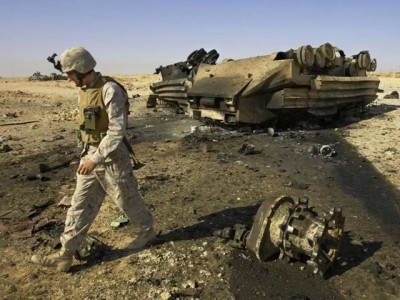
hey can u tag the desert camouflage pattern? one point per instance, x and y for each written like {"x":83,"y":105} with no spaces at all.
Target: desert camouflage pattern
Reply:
{"x":113,"y":177}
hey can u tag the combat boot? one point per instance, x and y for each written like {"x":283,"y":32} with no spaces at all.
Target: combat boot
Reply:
{"x":143,"y":238}
{"x":61,"y":260}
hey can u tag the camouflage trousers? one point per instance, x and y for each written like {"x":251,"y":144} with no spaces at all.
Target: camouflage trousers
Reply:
{"x":113,"y":178}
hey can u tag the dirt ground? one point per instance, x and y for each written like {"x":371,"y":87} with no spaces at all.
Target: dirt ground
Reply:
{"x":196,"y":181}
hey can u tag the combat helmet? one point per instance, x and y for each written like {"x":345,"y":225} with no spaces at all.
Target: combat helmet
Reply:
{"x":77,"y":59}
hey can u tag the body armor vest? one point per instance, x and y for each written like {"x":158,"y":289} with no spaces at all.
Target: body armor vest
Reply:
{"x":93,"y":118}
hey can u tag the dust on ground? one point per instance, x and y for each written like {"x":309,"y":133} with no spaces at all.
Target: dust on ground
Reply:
{"x":196,"y":181}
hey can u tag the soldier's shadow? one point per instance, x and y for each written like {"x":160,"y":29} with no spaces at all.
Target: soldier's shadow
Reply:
{"x":207,"y":225}
{"x":204,"y":228}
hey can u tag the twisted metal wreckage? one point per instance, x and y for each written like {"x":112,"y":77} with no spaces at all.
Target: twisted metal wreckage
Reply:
{"x":290,"y":228}
{"x":321,"y":82}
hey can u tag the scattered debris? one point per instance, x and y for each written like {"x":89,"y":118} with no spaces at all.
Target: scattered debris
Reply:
{"x":392,"y":95}
{"x":297,"y":185}
{"x":205,"y":147}
{"x":386,"y":272}
{"x":65,"y":201}
{"x":151,"y":101}
{"x":43,"y":168}
{"x":18,"y":123}
{"x":25,"y":228}
{"x":313,"y":150}
{"x":271,"y":132}
{"x":90,"y":248}
{"x":327,"y":150}
{"x":5,"y":148}
{"x":120,"y":221}
{"x":10,"y":115}
{"x":37,"y":209}
{"x":324,"y":150}
{"x":57,"y":137}
{"x":248,"y":149}
{"x":39,"y":176}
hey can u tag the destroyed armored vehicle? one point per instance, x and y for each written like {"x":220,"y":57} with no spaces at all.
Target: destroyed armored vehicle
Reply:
{"x":321,"y":82}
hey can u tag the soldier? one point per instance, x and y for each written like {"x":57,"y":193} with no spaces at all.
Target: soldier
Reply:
{"x":105,"y":166}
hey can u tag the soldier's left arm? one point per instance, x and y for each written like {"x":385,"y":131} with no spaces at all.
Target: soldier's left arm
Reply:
{"x":114,"y":99}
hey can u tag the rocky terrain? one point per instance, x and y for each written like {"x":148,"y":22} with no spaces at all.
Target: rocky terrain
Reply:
{"x":195,"y":181}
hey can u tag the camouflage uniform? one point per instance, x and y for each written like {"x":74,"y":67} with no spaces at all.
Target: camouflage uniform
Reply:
{"x":112,"y":176}
{"x":105,"y":167}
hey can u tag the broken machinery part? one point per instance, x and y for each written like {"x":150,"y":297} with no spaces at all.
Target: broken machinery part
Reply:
{"x":290,"y":228}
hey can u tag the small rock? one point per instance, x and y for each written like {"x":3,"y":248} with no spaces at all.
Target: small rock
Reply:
{"x":58,"y":137}
{"x":205,"y":147}
{"x":248,"y":149}
{"x":5,"y":148}
{"x":271,"y":132}
{"x":165,"y":295}
{"x":313,"y":150}
{"x":189,"y":284}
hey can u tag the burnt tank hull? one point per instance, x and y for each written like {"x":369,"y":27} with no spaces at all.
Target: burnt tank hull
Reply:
{"x":259,"y":89}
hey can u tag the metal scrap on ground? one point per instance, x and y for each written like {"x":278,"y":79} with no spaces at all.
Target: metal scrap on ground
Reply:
{"x":291,"y":229}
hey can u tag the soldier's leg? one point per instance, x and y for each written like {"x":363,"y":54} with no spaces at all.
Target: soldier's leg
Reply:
{"x":85,"y":204}
{"x":122,"y":187}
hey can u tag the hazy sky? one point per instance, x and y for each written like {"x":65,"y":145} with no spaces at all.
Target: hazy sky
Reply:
{"x":135,"y":37}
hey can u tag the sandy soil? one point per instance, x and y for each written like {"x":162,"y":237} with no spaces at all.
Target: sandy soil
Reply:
{"x":195,"y":183}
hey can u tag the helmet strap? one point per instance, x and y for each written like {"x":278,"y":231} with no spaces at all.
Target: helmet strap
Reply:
{"x":81,"y":76}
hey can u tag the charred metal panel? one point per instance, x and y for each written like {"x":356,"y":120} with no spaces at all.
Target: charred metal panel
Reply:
{"x":252,"y":110}
{"x":334,"y":83}
{"x":175,"y":71}
{"x":219,"y":87}
{"x":171,"y":90}
{"x":285,"y":74}
{"x":210,"y":114}
{"x":265,"y":238}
